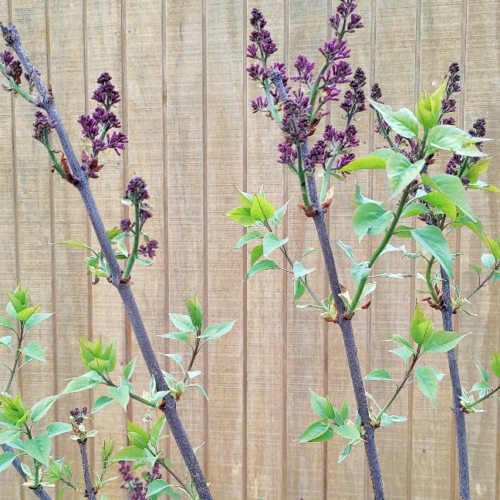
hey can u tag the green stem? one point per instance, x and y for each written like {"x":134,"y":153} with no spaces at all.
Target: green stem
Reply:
{"x":55,"y":162}
{"x":270,"y":105}
{"x":428,"y":279}
{"x":378,"y":251}
{"x":29,"y":97}
{"x":302,"y":179}
{"x":131,"y":259}
{"x":16,"y":360}
{"x":400,"y":386}
{"x":314,"y":90}
{"x":484,"y":397}
{"x":110,"y":383}
{"x":326,"y":178}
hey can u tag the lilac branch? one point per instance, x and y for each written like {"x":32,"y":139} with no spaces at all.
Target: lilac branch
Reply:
{"x":89,"y":493}
{"x":46,"y":102}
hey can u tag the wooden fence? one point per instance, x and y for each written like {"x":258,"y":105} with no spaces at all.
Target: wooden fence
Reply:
{"x":180,"y":66}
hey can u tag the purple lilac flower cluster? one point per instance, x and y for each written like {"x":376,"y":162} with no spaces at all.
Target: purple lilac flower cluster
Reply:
{"x":149,"y":249}
{"x":43,"y":127}
{"x":288,"y":154}
{"x":448,"y":104}
{"x":12,"y":66}
{"x":354,"y":98}
{"x":137,"y":190}
{"x":134,"y":485}
{"x":78,"y":414}
{"x":340,"y":22}
{"x":341,"y":141}
{"x":295,"y":122}
{"x":95,"y":127}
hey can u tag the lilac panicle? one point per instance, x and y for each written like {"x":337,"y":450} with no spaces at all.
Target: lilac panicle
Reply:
{"x":304,"y":69}
{"x":259,"y":104}
{"x":116,"y":141}
{"x":106,"y":93}
{"x":148,"y":250}
{"x":354,"y":98}
{"x":262,"y":45}
{"x":6,"y":57}
{"x":90,"y":129}
{"x":137,"y":190}
{"x":43,"y":126}
{"x":318,"y":155}
{"x":78,"y":414}
{"x":126,"y":225}
{"x":448,"y":105}
{"x":15,"y":71}
{"x":107,"y":119}
{"x":342,"y":139}
{"x":376,"y":93}
{"x":295,"y":122}
{"x":288,"y":154}
{"x":257,"y":20}
{"x":335,"y":50}
{"x":479,"y":128}
{"x":340,"y":21}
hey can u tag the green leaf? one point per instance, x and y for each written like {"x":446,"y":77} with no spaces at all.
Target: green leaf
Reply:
{"x":428,"y":109}
{"x":488,"y":260}
{"x":378,"y":375}
{"x":452,"y":187}
{"x":431,"y":239}
{"x":15,"y":302}
{"x":483,"y":186}
{"x":130,"y":454}
{"x":39,"y":448}
{"x":57,"y":428}
{"x":345,"y":452}
{"x":6,"y":459}
{"x":401,"y":340}
{"x":318,"y":404}
{"x":427,"y":382}
{"x":344,"y":410}
{"x":347,"y":249}
{"x":263,"y":265}
{"x":401,"y":172}
{"x":75,"y":244}
{"x":278,"y":215}
{"x":403,"y":122}
{"x":347,"y":431}
{"x":442,"y":203}
{"x":86,"y":381}
{"x":121,"y":394}
{"x":484,"y":374}
{"x":101,"y":403}
{"x":156,"y":430}
{"x":200,"y":388}
{"x":359,"y":199}
{"x":481,"y":386}
{"x":370,"y":218}
{"x":8,"y":435}
{"x":453,"y":139}
{"x":6,"y":323}
{"x":34,"y":350}
{"x":442,"y":341}
{"x":314,"y":431}
{"x":247,"y":238}
{"x":370,"y":162}
{"x":360,"y":271}
{"x":182,"y":322}
{"x":129,"y":369}
{"x":6,"y":341}
{"x":217,"y":330}
{"x":137,"y":435}
{"x":382,"y":153}
{"x":403,"y":352}
{"x":158,"y":487}
{"x":256,"y":254}
{"x":261,"y":208}
{"x":35,"y":319}
{"x":176,"y":335}
{"x":495,"y":363}
{"x":245,"y":199}
{"x":195,"y":311}
{"x":324,"y":437}
{"x":414,"y":208}
{"x":298,"y":289}
{"x":493,"y":246}
{"x":242,"y":216}
{"x":272,"y":242}
{"x":299,"y":270}
{"x":41,"y":408}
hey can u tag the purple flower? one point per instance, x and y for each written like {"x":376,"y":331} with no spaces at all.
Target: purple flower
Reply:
{"x":295,"y":122}
{"x":448,"y":121}
{"x":448,"y":105}
{"x":130,"y":483}
{"x":149,"y":249}
{"x":335,"y":50}
{"x":288,"y":154}
{"x":354,"y":23}
{"x":341,"y":140}
{"x":453,"y":164}
{"x":257,"y":20}
{"x":354,"y":99}
{"x":6,"y":58}
{"x":318,"y":155}
{"x":260,"y":37}
{"x":259,"y":104}
{"x":137,"y":190}
{"x":479,"y":128}
{"x":78,"y":414}
{"x":344,"y":9}
{"x":376,"y":93}
{"x":43,"y":126}
{"x":154,"y":473}
{"x":304,"y":69}
{"x":126,"y":225}
{"x":145,"y":213}
{"x":252,"y":51}
{"x":107,"y":119}
{"x":344,"y":161}
{"x":116,"y":141}
{"x":90,"y":130}
{"x":15,"y":70}
{"x":452,"y":84}
{"x":106,"y":93}
{"x":256,"y":72}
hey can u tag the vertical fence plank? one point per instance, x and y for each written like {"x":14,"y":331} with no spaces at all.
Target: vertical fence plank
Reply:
{"x":224,"y":37}
{"x":265,"y":391}
{"x":483,"y":49}
{"x":185,"y":190}
{"x":104,"y":49}
{"x":305,"y":337}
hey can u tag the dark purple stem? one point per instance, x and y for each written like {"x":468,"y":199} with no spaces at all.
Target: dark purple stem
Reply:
{"x":46,"y":102}
{"x":345,"y":324}
{"x":463,"y":457}
{"x":89,"y":493}
{"x":39,"y":492}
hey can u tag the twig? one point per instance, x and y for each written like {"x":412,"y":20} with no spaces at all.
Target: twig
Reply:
{"x":86,"y":471}
{"x":46,"y":102}
{"x":463,"y":458}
